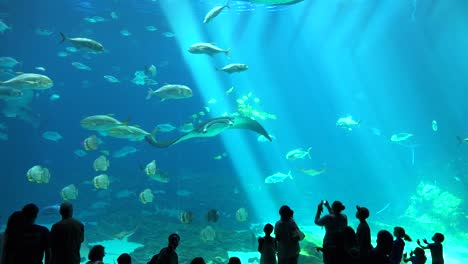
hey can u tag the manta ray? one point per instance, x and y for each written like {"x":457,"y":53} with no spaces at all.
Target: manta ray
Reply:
{"x":213,"y":127}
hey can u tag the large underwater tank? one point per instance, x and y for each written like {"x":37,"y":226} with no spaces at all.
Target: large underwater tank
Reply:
{"x":151,"y":122}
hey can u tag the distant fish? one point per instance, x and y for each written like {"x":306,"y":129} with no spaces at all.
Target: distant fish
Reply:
{"x":125,"y":33}
{"x":151,"y":28}
{"x":400,"y":137}
{"x":435,"y":126}
{"x":298,"y":154}
{"x":168,"y":34}
{"x":8,"y":62}
{"x":80,"y":153}
{"x":81,"y":66}
{"x":54,"y":97}
{"x":207,"y":48}
{"x":347,"y":123}
{"x":165,"y":127}
{"x":278,"y":177}
{"x":84,"y":44}
{"x":111,"y":79}
{"x":52,"y":136}
{"x":215,"y":12}
{"x":170,"y":91}
{"x":124,"y":152}
{"x":234,"y":67}
{"x":51,"y":210}
{"x":40,"y":69}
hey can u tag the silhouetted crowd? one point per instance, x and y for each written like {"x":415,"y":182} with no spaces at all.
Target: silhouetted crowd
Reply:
{"x":25,"y":242}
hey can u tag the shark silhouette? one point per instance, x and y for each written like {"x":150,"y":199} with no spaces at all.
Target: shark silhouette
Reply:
{"x":211,"y":128}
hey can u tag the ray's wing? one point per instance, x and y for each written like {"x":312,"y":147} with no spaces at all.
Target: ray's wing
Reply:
{"x":250,"y":124}
{"x":164,"y":144}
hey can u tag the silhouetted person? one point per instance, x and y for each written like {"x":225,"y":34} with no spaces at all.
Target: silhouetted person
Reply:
{"x":436,"y":248}
{"x":287,"y":235}
{"x":12,"y":240}
{"x":198,"y":260}
{"x":96,"y":255}
{"x":363,"y":234}
{"x":416,"y":257}
{"x":66,"y":237}
{"x":398,"y":245}
{"x":234,"y":260}
{"x":379,"y":254}
{"x":348,"y":248}
{"x":35,"y":243}
{"x":168,"y":255}
{"x":124,"y":259}
{"x":334,"y":222}
{"x":267,"y":246}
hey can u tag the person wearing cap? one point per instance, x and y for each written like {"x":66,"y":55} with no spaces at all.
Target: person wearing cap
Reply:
{"x":334,"y":222}
{"x":363,"y":234}
{"x":287,"y":235}
{"x":168,"y":255}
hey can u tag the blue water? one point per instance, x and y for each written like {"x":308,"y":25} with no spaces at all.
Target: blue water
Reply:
{"x":393,"y":65}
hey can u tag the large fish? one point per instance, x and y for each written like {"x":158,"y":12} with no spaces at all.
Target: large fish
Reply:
{"x":29,"y":81}
{"x":214,"y":127}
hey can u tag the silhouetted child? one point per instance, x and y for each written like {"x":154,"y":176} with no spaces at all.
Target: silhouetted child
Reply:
{"x":363,"y":234}
{"x":436,"y":248}
{"x":198,"y":260}
{"x":416,"y":257}
{"x":124,"y":259}
{"x":398,"y":245}
{"x":234,"y":260}
{"x":379,"y":254}
{"x":96,"y":254}
{"x":267,"y":246}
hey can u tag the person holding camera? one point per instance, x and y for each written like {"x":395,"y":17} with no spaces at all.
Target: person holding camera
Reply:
{"x":334,"y":222}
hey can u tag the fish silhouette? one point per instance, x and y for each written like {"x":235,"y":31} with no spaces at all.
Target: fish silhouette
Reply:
{"x":211,"y":128}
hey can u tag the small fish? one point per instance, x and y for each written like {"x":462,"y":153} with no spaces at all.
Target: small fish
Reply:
{"x":52,"y":136}
{"x":62,"y":54}
{"x":123,"y":152}
{"x":125,"y":33}
{"x":168,"y":34}
{"x":114,"y":15}
{"x":230,"y":90}
{"x":207,"y":48}
{"x":435,"y":126}
{"x":29,"y":81}
{"x":80,"y":153}
{"x":101,"y":163}
{"x":313,"y":172}
{"x":111,"y":79}
{"x":347,"y":123}
{"x":43,"y":32}
{"x":298,"y":154}
{"x":8,"y":62}
{"x":212,"y":101}
{"x":151,"y":70}
{"x":165,"y":127}
{"x":81,"y":66}
{"x":400,"y":137}
{"x":278,"y":177}
{"x":215,"y":12}
{"x":54,"y":97}
{"x":151,"y":28}
{"x":84,"y":44}
{"x":71,"y":49}
{"x":171,"y":91}
{"x":40,"y":69}
{"x":220,"y":157}
{"x":150,"y":168}
{"x":234,"y":67}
